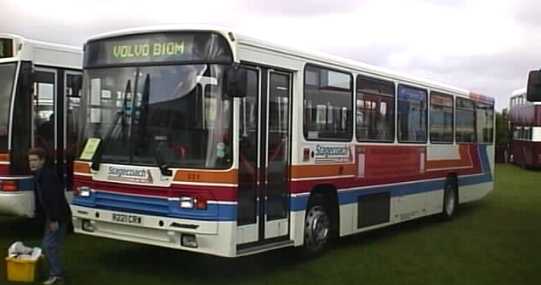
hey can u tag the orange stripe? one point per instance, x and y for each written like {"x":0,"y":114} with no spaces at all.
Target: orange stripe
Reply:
{"x":4,"y":156}
{"x":200,"y":176}
{"x":304,"y":171}
{"x":81,"y":167}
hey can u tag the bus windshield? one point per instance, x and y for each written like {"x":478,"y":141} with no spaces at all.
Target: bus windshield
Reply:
{"x":7,"y":79}
{"x":150,"y":115}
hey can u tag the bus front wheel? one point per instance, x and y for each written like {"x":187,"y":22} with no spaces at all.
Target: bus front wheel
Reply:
{"x":317,"y":227}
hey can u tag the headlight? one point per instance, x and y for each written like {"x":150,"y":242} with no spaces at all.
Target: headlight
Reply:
{"x":198,"y":203}
{"x":186,"y":202}
{"x":84,"y":191}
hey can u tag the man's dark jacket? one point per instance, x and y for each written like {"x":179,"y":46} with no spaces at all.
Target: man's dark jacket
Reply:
{"x":50,"y":196}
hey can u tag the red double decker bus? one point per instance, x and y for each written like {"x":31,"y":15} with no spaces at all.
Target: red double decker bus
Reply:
{"x":525,"y":118}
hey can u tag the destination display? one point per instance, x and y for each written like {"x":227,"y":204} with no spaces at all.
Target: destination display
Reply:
{"x":158,"y":48}
{"x":6,"y":48}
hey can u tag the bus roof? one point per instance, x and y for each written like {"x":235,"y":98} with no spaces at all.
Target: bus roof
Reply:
{"x":45,"y":53}
{"x":519,"y":92}
{"x":311,"y":56}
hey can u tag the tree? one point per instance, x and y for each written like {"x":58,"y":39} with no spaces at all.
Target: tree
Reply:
{"x":502,"y":128}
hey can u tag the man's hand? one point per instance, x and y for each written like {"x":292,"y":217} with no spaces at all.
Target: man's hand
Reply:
{"x":53,"y":226}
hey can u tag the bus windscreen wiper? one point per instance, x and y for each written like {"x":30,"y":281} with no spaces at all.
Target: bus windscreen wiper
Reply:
{"x":142,"y":130}
{"x":119,"y":116}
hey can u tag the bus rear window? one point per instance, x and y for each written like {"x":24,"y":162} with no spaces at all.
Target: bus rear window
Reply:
{"x":485,"y":122}
{"x":465,"y":120}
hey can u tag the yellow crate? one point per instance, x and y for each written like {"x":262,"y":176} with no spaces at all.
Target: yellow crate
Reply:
{"x":21,"y":270}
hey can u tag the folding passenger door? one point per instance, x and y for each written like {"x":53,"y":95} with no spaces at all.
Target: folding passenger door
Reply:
{"x":264,"y":158}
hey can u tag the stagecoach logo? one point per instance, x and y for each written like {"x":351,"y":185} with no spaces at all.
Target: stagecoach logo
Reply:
{"x":129,"y":174}
{"x":332,"y":153}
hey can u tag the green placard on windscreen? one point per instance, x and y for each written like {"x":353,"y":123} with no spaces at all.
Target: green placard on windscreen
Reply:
{"x":90,"y":148}
{"x":6,"y":48}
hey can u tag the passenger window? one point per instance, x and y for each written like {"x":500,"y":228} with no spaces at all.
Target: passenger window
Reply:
{"x":465,"y":120}
{"x":441,"y":118}
{"x":375,"y":109}
{"x":328,"y":100}
{"x":412,"y":113}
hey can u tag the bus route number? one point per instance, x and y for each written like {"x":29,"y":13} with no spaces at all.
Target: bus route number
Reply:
{"x":193,"y":176}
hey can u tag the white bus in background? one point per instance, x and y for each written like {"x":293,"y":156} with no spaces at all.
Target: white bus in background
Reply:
{"x":40,"y":85}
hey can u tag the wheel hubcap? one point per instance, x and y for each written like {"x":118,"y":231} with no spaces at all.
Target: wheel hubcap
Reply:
{"x":317,"y":228}
{"x":321,"y":228}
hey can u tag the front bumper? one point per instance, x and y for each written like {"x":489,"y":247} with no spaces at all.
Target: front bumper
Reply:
{"x":19,"y":203}
{"x":213,"y":237}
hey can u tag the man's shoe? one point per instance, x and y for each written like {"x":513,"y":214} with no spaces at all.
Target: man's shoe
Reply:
{"x":52,"y":280}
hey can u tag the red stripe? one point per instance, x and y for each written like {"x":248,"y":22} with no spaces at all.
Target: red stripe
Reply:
{"x":207,"y":192}
{"x":389,"y":175}
{"x":4,"y":169}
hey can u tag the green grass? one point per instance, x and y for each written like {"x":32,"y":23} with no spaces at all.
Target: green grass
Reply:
{"x":493,"y":241}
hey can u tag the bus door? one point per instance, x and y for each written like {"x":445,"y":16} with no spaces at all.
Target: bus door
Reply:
{"x":264,"y":157}
{"x":72,"y":104}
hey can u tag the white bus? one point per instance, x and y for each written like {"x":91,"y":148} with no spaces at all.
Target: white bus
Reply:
{"x":40,"y":86}
{"x":209,"y":141}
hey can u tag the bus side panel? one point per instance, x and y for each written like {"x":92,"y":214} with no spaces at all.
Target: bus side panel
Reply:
{"x":414,"y":180}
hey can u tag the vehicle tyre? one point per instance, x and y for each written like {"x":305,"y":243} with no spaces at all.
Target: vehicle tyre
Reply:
{"x":317,"y":227}
{"x":450,"y":200}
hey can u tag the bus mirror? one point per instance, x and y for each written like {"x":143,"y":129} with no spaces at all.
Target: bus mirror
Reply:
{"x":533,"y":92}
{"x":235,"y":82}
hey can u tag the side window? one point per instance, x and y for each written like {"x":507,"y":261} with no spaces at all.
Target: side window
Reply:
{"x":465,"y":120}
{"x":441,"y":118}
{"x":484,"y":122}
{"x":516,"y":132}
{"x":375,"y":109}
{"x":328,"y":100}
{"x":412,"y":113}
{"x":73,"y":94}
{"x":44,"y":111}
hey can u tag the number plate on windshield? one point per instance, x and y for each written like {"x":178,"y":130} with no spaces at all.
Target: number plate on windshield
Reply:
{"x":127,"y":219}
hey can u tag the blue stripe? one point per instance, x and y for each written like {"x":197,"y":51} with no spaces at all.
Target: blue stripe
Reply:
{"x":155,"y":207}
{"x":26,"y":184}
{"x":352,"y":196}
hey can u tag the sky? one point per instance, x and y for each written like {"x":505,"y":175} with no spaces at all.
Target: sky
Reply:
{"x":484,"y":46}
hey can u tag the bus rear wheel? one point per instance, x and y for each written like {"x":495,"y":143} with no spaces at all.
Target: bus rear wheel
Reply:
{"x":317,"y":228}
{"x":450,"y":200}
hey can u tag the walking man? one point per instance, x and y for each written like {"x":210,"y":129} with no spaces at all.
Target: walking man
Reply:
{"x":50,"y":197}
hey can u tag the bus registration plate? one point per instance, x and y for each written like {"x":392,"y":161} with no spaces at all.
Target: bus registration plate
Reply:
{"x":127,"y":219}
